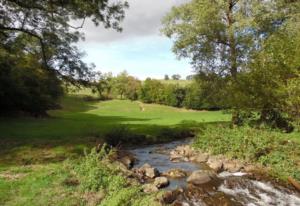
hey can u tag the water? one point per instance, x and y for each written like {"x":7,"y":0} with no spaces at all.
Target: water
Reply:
{"x":228,"y":189}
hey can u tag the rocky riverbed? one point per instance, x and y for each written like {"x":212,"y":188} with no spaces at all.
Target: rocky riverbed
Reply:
{"x":193,"y":178}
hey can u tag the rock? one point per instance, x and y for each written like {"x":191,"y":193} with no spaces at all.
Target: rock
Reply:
{"x":199,"y":158}
{"x":170,"y":196}
{"x":123,"y":169}
{"x":181,"y":153}
{"x":149,"y":188}
{"x":200,"y":177}
{"x":215,"y":163}
{"x":174,"y":157}
{"x":175,"y":173}
{"x":128,"y":161}
{"x":149,"y":171}
{"x":185,"y":150}
{"x":232,"y":166}
{"x":161,"y":182}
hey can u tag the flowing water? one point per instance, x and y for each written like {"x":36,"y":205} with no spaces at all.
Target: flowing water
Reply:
{"x":228,"y":189}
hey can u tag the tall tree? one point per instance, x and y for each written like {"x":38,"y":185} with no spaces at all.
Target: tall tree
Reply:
{"x":221,"y":36}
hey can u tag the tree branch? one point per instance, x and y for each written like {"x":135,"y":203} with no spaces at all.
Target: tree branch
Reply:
{"x":43,"y":47}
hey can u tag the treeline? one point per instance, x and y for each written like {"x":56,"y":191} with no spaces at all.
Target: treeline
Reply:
{"x":201,"y":93}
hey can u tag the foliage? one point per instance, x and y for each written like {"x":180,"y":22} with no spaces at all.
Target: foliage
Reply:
{"x":89,"y":180}
{"x":37,"y":49}
{"x":49,"y":24}
{"x":176,"y":76}
{"x":26,"y":87}
{"x":251,"y":46}
{"x":103,"y":85}
{"x":95,"y":175}
{"x":151,"y":91}
{"x":270,"y":148}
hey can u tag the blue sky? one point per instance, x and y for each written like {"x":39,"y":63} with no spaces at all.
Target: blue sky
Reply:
{"x":140,"y":49}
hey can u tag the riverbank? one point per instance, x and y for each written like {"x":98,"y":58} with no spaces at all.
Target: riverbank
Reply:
{"x":39,"y":157}
{"x":195,"y":178}
{"x":278,"y":153}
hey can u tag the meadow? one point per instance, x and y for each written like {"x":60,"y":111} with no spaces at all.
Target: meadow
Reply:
{"x":39,"y":157}
{"x":80,"y":123}
{"x":33,"y":152}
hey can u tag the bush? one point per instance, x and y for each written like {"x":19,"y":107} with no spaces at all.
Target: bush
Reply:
{"x":95,"y":176}
{"x":95,"y":173}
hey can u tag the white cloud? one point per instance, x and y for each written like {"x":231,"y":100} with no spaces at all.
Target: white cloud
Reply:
{"x":143,"y":18}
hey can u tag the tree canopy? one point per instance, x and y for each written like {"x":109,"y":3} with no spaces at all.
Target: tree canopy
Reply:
{"x":41,"y":36}
{"x":252,"y":45}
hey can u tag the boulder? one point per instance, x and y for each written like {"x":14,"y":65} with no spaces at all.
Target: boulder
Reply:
{"x":200,"y":177}
{"x":170,"y":196}
{"x":128,"y":161}
{"x":185,"y":150}
{"x":149,"y":188}
{"x":149,"y":171}
{"x":181,"y":153}
{"x":161,"y":182}
{"x":175,"y":173}
{"x":215,"y":163}
{"x":199,"y":158}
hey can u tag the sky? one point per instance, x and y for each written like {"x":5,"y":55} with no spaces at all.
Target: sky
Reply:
{"x":140,"y":49}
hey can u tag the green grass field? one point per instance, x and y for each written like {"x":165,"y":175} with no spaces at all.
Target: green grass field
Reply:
{"x":80,"y":123}
{"x":33,"y":151}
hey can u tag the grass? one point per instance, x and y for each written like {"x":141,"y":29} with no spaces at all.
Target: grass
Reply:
{"x":39,"y":157}
{"x":90,"y":180}
{"x":42,"y":160}
{"x":82,"y":121}
{"x":276,"y":150}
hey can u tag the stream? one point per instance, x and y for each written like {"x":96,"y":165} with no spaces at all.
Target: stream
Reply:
{"x":228,"y":189}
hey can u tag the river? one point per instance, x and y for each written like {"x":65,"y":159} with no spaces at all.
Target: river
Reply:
{"x":228,"y":189}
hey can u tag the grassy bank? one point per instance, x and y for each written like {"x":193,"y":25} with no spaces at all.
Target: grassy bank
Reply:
{"x":280,"y":152}
{"x":89,"y":180}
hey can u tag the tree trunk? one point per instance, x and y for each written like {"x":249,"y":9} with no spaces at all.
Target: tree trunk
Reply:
{"x":231,"y":40}
{"x":233,"y":54}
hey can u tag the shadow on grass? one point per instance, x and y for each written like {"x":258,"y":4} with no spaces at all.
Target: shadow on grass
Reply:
{"x":71,"y":130}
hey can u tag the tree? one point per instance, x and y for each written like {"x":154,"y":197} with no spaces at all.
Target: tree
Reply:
{"x":152,"y":91}
{"x":120,"y":83}
{"x":38,"y":37}
{"x":176,"y":76}
{"x":103,"y":85}
{"x":222,"y":37}
{"x":133,"y":87}
{"x":166,"y":77}
{"x":49,"y":24}
{"x":270,"y":84}
{"x":24,"y":86}
{"x":190,"y":77}
{"x":174,"y":95}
